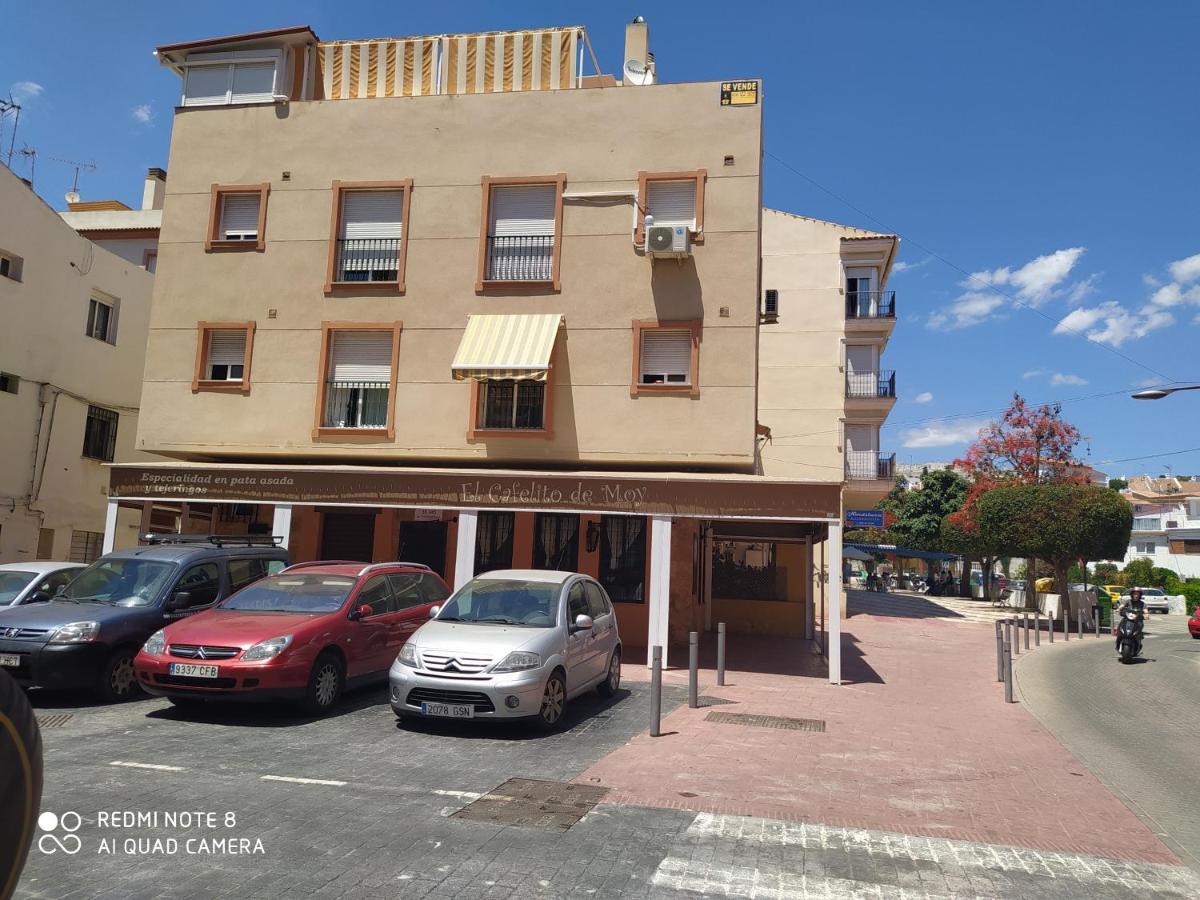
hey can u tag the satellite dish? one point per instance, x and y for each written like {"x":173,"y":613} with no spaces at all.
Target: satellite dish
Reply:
{"x":638,"y":72}
{"x":72,"y":196}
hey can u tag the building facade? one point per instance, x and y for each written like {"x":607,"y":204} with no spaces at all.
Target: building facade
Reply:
{"x":452,"y":300}
{"x":131,"y":234}
{"x":1166,"y":523}
{"x":71,"y":352}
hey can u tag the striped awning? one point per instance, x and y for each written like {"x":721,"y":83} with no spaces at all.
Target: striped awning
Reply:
{"x":513,"y":346}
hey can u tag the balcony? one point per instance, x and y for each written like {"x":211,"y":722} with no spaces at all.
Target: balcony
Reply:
{"x":871,"y":305}
{"x":870,"y":465}
{"x":520,"y":257}
{"x":355,"y":404}
{"x":368,"y":260}
{"x":871,"y":385}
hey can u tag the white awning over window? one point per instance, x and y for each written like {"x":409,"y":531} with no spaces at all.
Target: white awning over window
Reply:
{"x":667,"y":352}
{"x":372,"y":214}
{"x":361,"y":356}
{"x":522,"y":209}
{"x":226,"y":347}
{"x":672,"y":202}
{"x":239,"y":216}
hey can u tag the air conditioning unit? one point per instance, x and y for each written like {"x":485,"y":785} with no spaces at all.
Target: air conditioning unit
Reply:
{"x":770,"y":312}
{"x":668,"y":240}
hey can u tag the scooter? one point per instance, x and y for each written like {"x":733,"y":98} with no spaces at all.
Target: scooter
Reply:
{"x":1129,"y":633}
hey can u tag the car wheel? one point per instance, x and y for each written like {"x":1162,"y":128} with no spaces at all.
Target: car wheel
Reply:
{"x":118,"y":681}
{"x":324,"y":685}
{"x":554,"y":702}
{"x":608,"y":687}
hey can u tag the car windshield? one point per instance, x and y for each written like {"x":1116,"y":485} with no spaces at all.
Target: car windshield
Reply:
{"x":533,"y":604}
{"x":312,"y":593}
{"x":120,"y":582}
{"x":12,"y":583}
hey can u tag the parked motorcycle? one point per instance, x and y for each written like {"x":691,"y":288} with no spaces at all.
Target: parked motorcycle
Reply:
{"x":1129,"y":632}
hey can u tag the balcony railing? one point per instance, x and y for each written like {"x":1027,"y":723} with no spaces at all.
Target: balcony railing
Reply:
{"x":355,"y":404}
{"x":870,"y":304}
{"x":871,"y":385}
{"x":870,"y":465}
{"x":520,"y":257}
{"x":368,"y":259}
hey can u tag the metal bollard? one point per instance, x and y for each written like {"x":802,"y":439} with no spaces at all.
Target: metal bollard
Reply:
{"x":1066,"y":626}
{"x":1037,"y":628}
{"x":655,"y":691}
{"x":1050,"y":626}
{"x":1027,"y":631}
{"x":1096,"y":616}
{"x":1008,"y":674}
{"x":1016,"y":637}
{"x":1008,"y":633}
{"x":999,"y":651}
{"x":693,"y":669}
{"x":721,"y":654}
{"x":1079,"y":622}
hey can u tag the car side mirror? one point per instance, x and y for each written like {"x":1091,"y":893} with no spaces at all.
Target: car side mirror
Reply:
{"x":38,"y":597}
{"x":361,"y":613}
{"x":179,"y":600}
{"x":434,"y":610}
{"x":582,"y":623}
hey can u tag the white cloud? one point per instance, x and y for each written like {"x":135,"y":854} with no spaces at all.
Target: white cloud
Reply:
{"x":143,"y":114}
{"x":1111,"y":323}
{"x":1060,"y":378}
{"x":902,"y":266}
{"x":1034,"y":373}
{"x":1081,"y":289}
{"x":1036,"y":281}
{"x":26,"y":90}
{"x":923,"y":397}
{"x":945,"y":434}
{"x":972,"y":308}
{"x":1185,"y":270}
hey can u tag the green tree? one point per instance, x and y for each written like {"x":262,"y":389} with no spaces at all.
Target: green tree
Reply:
{"x":1105,"y":572}
{"x":918,"y":514}
{"x":1118,"y":484}
{"x":1062,"y":523}
{"x":1138,"y":572}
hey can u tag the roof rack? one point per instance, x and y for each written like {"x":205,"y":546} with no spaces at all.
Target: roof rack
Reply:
{"x":379,"y":565}
{"x":217,"y":540}
{"x":313,"y":563}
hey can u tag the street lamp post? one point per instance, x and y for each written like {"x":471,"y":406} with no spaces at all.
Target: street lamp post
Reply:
{"x":1159,"y":393}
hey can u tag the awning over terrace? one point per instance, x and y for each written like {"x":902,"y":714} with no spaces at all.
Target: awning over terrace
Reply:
{"x":904,"y":552}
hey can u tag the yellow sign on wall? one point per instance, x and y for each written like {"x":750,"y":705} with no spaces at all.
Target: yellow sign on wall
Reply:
{"x":739,"y":93}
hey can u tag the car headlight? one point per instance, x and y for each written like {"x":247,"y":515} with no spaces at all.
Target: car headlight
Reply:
{"x":518,"y":661}
{"x":75,"y":633}
{"x":156,"y":643}
{"x":267,"y":649}
{"x":407,"y":656}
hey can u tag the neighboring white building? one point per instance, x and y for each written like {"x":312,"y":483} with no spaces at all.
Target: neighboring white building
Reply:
{"x":1166,"y":523}
{"x":132,"y":234}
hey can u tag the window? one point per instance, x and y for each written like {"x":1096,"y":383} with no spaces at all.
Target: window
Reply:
{"x":360,"y":374}
{"x":100,"y":434}
{"x":150,"y":261}
{"x":1146,"y":523}
{"x":522,"y":231}
{"x":377,"y":594}
{"x":86,"y":546}
{"x":45,"y":547}
{"x":407,"y":588}
{"x":666,"y":357}
{"x":223,"y":356}
{"x":433,"y":589}
{"x":597,"y":602}
{"x":623,"y":558}
{"x":55,"y":580}
{"x":512,"y":405}
{"x":1145,"y":547}
{"x":10,"y":266}
{"x":577,"y":603}
{"x":102,"y":320}
{"x":745,"y":570}
{"x":218,"y":79}
{"x":201,"y":583}
{"x":238,"y":217}
{"x":1185,"y":546}
{"x":770,"y":313}
{"x":368,"y":246}
{"x":556,"y":541}
{"x":9,"y":383}
{"x":672,"y":198}
{"x":246,"y":571}
{"x":493,"y":541}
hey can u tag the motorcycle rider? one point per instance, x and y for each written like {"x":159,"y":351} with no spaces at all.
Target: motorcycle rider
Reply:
{"x":1131,"y":601}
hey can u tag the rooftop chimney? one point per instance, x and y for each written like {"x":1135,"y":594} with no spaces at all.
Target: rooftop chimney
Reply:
{"x":156,"y":187}
{"x":638,"y":65}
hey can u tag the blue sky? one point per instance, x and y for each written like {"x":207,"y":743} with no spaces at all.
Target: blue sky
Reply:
{"x":1037,"y":158}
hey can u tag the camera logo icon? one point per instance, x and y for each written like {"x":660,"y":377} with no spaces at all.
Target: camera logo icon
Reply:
{"x":59,"y":833}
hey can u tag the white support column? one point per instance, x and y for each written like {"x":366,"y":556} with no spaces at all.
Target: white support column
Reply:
{"x":835,"y":603}
{"x":282,"y":524}
{"x":464,"y":553}
{"x":660,"y":586}
{"x":185,"y":518}
{"x":110,"y":527}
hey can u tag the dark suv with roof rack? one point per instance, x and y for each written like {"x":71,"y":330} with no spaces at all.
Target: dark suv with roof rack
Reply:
{"x":87,"y":635}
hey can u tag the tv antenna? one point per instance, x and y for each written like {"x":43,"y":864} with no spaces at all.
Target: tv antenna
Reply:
{"x":89,"y":166}
{"x":6,"y":107}
{"x":30,"y":154}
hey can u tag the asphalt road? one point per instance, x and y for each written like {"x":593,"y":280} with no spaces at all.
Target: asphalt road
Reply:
{"x":1137,"y":727}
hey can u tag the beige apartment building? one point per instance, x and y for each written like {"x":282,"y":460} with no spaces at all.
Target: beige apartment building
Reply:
{"x":131,"y":234}
{"x":71,"y":352}
{"x":456,"y":300}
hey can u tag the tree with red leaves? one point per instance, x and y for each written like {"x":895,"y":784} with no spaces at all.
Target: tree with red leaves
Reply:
{"x":1028,"y":445}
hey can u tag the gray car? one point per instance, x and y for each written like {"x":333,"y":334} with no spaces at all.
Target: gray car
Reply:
{"x":32,"y":582}
{"x":511,"y":644}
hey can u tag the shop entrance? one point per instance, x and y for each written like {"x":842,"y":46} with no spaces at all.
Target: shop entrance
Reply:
{"x":424,"y":542}
{"x":761,"y":578}
{"x":348,"y":535}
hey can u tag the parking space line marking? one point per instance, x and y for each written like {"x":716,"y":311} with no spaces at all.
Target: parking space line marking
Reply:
{"x":154,"y":766}
{"x":463,"y":795}
{"x":292,"y":780}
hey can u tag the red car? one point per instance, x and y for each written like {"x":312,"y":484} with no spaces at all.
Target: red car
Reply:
{"x":1194,"y":623}
{"x":303,"y":635}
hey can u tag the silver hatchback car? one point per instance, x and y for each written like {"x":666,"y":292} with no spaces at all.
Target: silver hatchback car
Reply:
{"x":510,"y":644}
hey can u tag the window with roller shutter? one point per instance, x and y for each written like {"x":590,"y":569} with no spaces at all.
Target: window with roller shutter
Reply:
{"x":520,"y":236}
{"x":223,"y":352}
{"x":358,"y":381}
{"x":369,"y":236}
{"x":238,"y":218}
{"x":221,"y":79}
{"x":666,"y":356}
{"x":672,"y":199}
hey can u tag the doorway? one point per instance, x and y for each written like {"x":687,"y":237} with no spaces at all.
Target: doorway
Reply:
{"x":348,"y":535}
{"x":425,"y":543}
